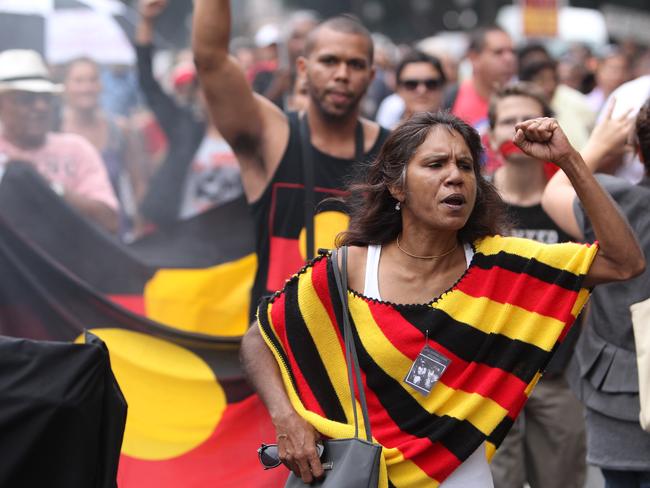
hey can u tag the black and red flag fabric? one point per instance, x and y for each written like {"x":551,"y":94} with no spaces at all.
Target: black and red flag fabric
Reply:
{"x":192,"y":420}
{"x":287,"y":234}
{"x":196,"y":275}
{"x":62,"y":414}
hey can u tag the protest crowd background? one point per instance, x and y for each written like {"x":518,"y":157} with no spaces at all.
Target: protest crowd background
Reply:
{"x":128,"y":222}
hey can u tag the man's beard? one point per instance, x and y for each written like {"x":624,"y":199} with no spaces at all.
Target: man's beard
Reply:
{"x":331,"y":115}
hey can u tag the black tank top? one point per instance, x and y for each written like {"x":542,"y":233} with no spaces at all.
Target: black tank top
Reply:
{"x":279,"y":214}
{"x":533,"y":223}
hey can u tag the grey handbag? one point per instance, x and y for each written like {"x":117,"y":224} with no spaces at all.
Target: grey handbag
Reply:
{"x":354,"y":462}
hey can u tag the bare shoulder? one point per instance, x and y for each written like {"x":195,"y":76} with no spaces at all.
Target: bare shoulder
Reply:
{"x":356,"y":266}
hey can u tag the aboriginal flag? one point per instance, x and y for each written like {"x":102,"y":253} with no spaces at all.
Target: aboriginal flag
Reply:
{"x":193,"y":421}
{"x":195,"y":276}
{"x":288,"y":236}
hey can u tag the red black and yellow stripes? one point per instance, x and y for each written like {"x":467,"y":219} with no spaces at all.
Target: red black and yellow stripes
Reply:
{"x":499,"y":325}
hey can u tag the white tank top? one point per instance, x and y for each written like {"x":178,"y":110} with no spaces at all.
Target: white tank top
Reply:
{"x":371,"y":285}
{"x":475,"y":471}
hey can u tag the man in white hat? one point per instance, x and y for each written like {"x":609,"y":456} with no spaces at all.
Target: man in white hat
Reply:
{"x":68,"y":162}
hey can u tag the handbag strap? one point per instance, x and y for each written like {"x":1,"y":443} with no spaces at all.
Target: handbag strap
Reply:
{"x":308,"y":176}
{"x":351,"y":358}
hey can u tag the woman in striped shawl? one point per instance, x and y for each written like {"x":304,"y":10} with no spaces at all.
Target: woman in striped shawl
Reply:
{"x":453,"y":323}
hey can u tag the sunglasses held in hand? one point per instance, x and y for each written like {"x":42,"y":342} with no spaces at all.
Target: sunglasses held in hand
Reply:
{"x":270,"y":457}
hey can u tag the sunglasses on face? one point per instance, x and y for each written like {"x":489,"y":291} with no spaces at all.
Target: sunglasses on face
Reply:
{"x":29,"y":98}
{"x":430,"y":84}
{"x":270,"y":457}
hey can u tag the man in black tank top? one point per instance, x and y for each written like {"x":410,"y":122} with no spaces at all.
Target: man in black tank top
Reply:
{"x":280,"y":217}
{"x":280,"y":155}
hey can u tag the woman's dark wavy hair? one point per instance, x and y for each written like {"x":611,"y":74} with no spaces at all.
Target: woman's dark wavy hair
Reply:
{"x":373,"y":218}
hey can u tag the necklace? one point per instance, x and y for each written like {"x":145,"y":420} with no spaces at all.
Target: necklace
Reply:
{"x":426,"y":257}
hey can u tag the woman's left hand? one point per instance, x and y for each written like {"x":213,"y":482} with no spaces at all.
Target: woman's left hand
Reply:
{"x":297,"y":446}
{"x":542,"y":138}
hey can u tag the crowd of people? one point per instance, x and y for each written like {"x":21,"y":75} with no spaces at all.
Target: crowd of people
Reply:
{"x":464,"y":189}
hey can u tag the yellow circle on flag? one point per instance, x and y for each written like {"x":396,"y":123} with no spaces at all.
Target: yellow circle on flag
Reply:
{"x":174,"y":399}
{"x":327,"y":225}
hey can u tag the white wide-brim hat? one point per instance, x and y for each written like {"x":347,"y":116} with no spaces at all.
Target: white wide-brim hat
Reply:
{"x":31,"y":85}
{"x":25,"y":70}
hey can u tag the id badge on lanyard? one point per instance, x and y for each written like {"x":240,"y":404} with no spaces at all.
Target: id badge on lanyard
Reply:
{"x":427,"y":369}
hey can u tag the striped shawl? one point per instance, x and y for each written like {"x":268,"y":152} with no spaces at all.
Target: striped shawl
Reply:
{"x":499,"y":325}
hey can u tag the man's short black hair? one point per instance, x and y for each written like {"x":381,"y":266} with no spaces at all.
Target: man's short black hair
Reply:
{"x":534,"y":50}
{"x":533,"y":58}
{"x":528,"y":71}
{"x":416,"y":56}
{"x":347,"y":24}
{"x":478,"y":37}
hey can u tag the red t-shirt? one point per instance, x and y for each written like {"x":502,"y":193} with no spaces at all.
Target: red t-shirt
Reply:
{"x":473,"y":109}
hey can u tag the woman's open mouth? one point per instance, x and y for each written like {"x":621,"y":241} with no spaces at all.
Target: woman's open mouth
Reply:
{"x":455,"y":201}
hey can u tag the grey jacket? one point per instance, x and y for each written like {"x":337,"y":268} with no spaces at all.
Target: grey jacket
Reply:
{"x":604,"y":372}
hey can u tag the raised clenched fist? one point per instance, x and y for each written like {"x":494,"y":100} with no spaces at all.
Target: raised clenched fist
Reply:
{"x":542,"y":138}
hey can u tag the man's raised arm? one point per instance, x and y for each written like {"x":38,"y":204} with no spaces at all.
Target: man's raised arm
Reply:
{"x":255,"y":129}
